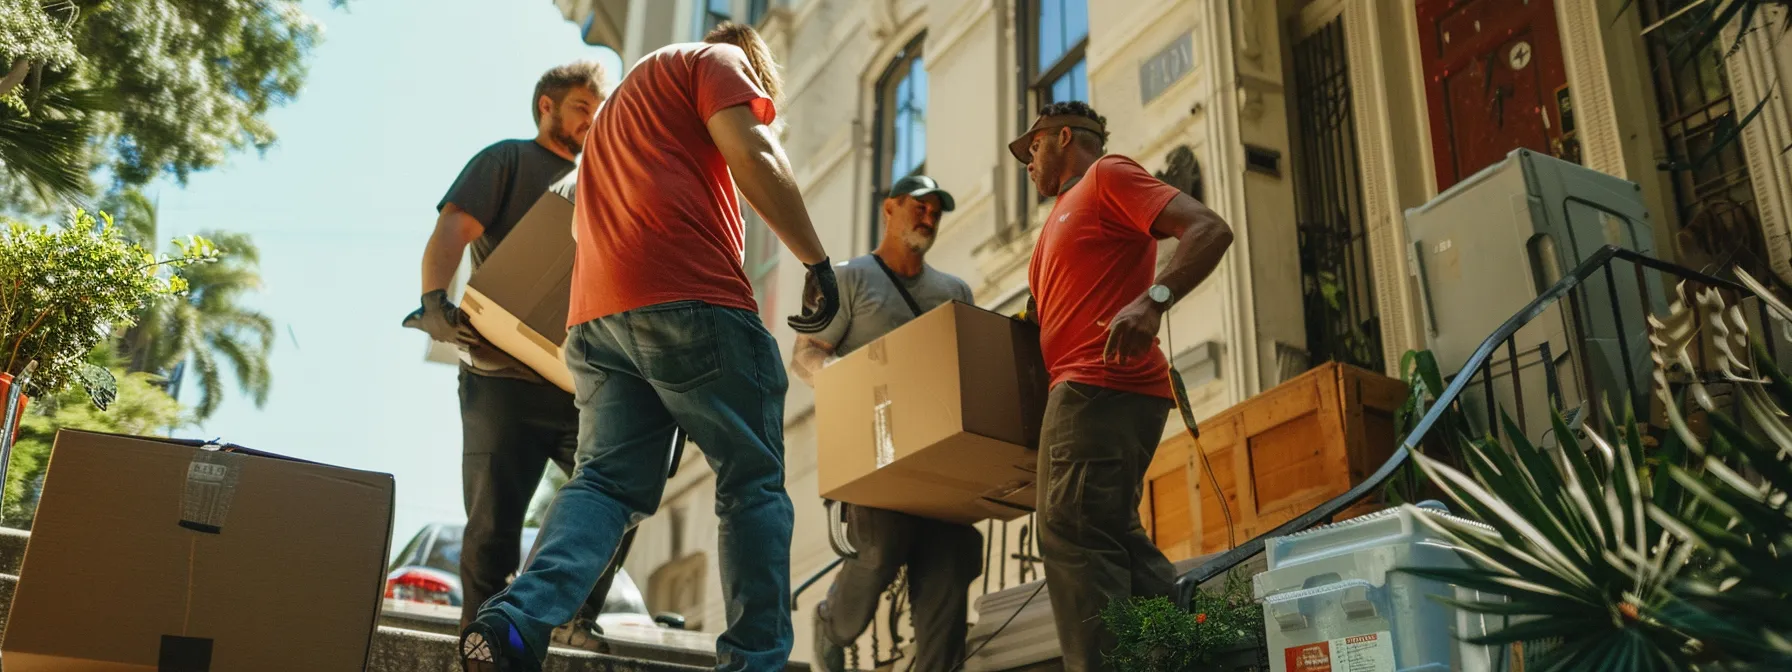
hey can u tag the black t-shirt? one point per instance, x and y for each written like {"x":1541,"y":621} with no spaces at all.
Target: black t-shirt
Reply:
{"x":497,"y":187}
{"x":500,"y":184}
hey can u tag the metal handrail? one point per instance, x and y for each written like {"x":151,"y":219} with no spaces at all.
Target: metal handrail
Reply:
{"x":9,"y":422}
{"x":1599,"y":262}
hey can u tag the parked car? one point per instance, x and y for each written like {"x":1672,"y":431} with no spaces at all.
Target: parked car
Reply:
{"x":427,"y":574}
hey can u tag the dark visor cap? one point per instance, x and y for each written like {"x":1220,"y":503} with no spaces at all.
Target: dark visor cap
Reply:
{"x":922,"y":185}
{"x":1022,"y":147}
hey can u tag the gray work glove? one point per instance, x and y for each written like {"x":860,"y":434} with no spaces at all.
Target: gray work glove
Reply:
{"x":442,"y":320}
{"x":821,"y":299}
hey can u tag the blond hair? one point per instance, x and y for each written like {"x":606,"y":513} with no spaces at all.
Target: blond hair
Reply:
{"x":765,"y":70}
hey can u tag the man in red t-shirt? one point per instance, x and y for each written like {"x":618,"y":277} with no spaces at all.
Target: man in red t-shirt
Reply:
{"x":1099,"y":306}
{"x":664,"y":335}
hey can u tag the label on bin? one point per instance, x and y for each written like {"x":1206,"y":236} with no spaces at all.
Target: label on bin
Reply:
{"x":1362,"y":653}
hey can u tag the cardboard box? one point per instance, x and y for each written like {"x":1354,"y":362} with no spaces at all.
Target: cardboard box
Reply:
{"x":518,"y":298}
{"x":152,"y":555}
{"x":939,"y":418}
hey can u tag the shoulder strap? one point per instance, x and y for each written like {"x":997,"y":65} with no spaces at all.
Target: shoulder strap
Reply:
{"x":897,"y":281}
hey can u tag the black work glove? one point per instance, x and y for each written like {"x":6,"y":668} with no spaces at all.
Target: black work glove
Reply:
{"x":821,"y":299}
{"x":442,"y":320}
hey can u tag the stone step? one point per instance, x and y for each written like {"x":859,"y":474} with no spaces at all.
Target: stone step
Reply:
{"x":12,"y":549}
{"x":402,"y":650}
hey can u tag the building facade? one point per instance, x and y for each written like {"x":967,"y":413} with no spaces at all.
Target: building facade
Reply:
{"x":1310,"y":125}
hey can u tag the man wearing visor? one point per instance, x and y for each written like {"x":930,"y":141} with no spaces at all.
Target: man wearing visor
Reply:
{"x":1099,"y":303}
{"x":878,"y":293}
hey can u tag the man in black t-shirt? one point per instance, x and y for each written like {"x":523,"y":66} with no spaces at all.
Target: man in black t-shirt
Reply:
{"x":512,"y":420}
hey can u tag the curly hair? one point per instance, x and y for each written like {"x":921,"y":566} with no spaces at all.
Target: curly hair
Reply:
{"x":556,"y":82}
{"x":1078,"y":108}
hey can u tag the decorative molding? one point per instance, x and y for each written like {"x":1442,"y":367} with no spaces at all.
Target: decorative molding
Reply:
{"x":1250,"y":29}
{"x":1238,"y":300}
{"x":1382,"y":215}
{"x":1146,"y":15}
{"x":1589,"y":84}
{"x":842,"y":34}
{"x":1767,"y":142}
{"x":960,"y":25}
{"x":824,"y":163}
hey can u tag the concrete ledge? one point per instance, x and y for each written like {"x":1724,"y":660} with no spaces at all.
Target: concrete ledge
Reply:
{"x":396,"y":650}
{"x":12,"y":549}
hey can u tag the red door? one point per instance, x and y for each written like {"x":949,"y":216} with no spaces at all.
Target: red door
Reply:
{"x":1494,"y":81}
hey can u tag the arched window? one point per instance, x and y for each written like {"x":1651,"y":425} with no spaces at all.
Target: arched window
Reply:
{"x":901,"y":148}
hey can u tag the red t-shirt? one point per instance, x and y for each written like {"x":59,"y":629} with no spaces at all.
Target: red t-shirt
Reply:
{"x":1096,"y":254}
{"x":656,"y":213}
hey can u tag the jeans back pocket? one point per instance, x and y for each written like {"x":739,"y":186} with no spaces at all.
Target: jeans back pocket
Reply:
{"x":675,"y":344}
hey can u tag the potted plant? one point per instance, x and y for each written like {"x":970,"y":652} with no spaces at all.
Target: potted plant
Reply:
{"x":63,"y":290}
{"x":1221,"y":632}
{"x":1617,"y":552}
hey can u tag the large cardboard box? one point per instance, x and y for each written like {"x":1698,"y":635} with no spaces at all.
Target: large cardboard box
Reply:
{"x":152,"y":555}
{"x":518,"y":298}
{"x":939,"y":418}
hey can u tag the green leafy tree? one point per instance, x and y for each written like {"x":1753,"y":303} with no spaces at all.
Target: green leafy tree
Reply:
{"x":63,"y":291}
{"x":143,"y":88}
{"x":142,"y":408}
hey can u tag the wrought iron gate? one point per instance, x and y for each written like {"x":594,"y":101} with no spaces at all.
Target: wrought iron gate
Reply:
{"x":1337,"y":281}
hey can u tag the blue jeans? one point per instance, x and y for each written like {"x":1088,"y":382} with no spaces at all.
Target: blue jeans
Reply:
{"x":716,"y":373}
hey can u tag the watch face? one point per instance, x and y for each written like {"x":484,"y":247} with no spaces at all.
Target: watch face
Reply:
{"x":1160,"y":293}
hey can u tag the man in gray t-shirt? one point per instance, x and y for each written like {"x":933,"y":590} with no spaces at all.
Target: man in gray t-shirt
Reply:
{"x":513,"y":422}
{"x":878,"y":293}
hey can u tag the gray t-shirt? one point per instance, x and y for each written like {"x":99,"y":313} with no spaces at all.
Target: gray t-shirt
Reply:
{"x":870,"y":306}
{"x":500,"y":184}
{"x":497,"y":187}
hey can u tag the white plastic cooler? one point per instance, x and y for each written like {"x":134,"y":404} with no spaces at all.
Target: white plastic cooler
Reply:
{"x":1332,"y":601}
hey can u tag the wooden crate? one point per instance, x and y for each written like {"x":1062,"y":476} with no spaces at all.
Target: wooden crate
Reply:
{"x":1275,"y":456}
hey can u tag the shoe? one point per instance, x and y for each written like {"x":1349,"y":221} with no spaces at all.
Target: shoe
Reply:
{"x":582,"y":633}
{"x":492,"y":644}
{"x":827,"y":656}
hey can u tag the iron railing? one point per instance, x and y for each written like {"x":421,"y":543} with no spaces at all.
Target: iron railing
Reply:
{"x":1007,"y":545}
{"x":1479,"y":370}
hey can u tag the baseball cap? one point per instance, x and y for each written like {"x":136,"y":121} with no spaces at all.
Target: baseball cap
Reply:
{"x":922,"y":185}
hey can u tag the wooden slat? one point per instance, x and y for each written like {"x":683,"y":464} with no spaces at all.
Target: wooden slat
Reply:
{"x":1275,"y":456}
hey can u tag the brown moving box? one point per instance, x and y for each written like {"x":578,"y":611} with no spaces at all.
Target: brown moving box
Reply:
{"x":519,"y":296}
{"x":938,"y":419}
{"x":153,"y":554}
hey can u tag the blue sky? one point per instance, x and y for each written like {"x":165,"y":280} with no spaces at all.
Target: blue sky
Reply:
{"x":400,"y":95}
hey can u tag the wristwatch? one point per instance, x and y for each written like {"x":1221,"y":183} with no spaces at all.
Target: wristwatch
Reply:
{"x":1160,"y":295}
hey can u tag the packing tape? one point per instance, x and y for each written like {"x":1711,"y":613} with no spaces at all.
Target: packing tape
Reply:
{"x":882,"y":426}
{"x":879,"y":352}
{"x":184,"y":654}
{"x":211,"y":484}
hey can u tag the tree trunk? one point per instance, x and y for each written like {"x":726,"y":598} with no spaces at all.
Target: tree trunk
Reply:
{"x":14,"y":78}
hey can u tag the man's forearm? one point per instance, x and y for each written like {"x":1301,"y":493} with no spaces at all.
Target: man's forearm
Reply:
{"x":441,"y":259}
{"x":447,"y":243}
{"x":763,"y":174}
{"x":1198,"y":253}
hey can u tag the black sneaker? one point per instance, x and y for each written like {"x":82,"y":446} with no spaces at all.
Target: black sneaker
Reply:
{"x":492,"y":644}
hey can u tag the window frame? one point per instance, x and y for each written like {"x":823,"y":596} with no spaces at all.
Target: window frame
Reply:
{"x":708,"y":18}
{"x":884,"y":139}
{"x":1040,"y":84}
{"x":1035,"y":88}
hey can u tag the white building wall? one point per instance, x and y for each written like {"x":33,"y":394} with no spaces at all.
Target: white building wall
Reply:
{"x":833,"y":52}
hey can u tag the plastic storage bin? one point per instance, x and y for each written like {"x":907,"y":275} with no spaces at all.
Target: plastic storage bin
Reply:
{"x":1332,"y":601}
